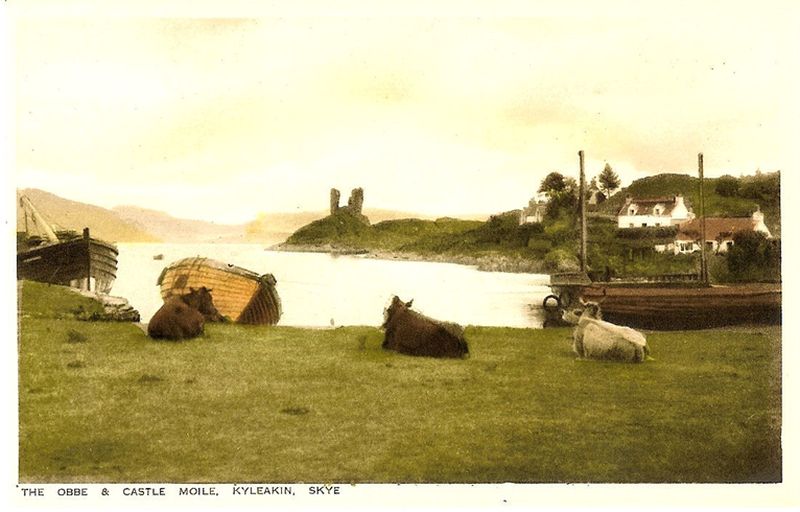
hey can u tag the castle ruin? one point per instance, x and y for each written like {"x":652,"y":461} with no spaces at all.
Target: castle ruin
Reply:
{"x":354,"y":204}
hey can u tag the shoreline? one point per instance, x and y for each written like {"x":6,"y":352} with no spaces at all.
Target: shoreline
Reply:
{"x":493,"y":263}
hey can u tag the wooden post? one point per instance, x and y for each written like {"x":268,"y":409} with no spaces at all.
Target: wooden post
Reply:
{"x":703,"y":261}
{"x":88,"y":259}
{"x":582,"y":203}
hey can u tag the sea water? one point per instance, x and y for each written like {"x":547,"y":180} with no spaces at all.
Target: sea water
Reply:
{"x":323,"y":290}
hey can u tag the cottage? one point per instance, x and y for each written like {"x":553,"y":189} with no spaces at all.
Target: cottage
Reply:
{"x":719,"y":233}
{"x":534,"y":212}
{"x":653,"y":212}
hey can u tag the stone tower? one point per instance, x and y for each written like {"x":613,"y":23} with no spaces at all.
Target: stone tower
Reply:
{"x":335,"y":195}
{"x":356,"y":201}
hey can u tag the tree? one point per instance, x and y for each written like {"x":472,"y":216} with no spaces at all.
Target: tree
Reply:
{"x":564,"y":200}
{"x":608,"y":181}
{"x":553,"y":184}
{"x":764,"y":188}
{"x":727,"y":186}
{"x":754,"y":257}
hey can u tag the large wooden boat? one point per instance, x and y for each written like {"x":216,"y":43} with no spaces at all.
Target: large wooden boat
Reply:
{"x":65,"y":258}
{"x":671,"y":305}
{"x":239,"y":294}
{"x":686,"y":301}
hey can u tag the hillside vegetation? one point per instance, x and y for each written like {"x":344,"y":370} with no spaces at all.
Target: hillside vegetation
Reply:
{"x":552,"y":245}
{"x":757,"y":191}
{"x":498,"y":244}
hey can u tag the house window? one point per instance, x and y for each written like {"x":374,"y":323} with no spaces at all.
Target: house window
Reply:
{"x":658,"y":224}
{"x":632,"y":211}
{"x":630,"y":225}
{"x":644,"y":224}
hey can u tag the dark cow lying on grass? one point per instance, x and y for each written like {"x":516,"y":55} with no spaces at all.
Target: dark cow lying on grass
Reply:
{"x":594,"y":338}
{"x":185,"y":316}
{"x":412,"y":333}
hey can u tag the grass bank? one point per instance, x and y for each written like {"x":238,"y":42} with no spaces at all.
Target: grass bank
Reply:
{"x":101,"y":402}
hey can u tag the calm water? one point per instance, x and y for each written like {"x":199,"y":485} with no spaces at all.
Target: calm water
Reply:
{"x":316,"y":289}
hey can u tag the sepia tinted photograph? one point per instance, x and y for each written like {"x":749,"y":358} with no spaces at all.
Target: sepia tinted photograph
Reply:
{"x":530,"y":244}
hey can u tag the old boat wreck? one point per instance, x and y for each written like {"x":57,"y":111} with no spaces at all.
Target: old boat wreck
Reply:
{"x":65,"y":257}
{"x":239,"y":294}
{"x":666,"y":302}
{"x":673,"y":305}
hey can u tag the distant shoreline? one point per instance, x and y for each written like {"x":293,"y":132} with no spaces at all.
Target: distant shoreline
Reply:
{"x":488,"y":263}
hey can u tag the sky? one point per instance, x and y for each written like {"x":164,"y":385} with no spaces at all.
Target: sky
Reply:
{"x":222,"y":114}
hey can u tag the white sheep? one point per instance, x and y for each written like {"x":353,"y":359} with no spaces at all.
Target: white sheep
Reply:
{"x":594,"y":338}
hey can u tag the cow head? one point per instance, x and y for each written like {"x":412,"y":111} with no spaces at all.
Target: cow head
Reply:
{"x":201,"y":300}
{"x":394,"y":308}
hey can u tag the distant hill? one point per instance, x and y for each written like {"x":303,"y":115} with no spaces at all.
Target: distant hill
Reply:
{"x":130,"y":223}
{"x":65,"y":214}
{"x":173,"y":229}
{"x":761,"y":190}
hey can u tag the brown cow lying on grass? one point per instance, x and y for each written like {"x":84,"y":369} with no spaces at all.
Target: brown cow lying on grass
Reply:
{"x":412,"y":333}
{"x":185,"y":316}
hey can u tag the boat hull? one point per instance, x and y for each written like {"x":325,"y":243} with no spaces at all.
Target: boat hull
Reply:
{"x":673,"y":308}
{"x":69,"y":263}
{"x":239,"y":294}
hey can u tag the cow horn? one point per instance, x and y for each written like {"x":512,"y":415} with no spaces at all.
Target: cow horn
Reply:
{"x":408,"y":304}
{"x":583,"y":302}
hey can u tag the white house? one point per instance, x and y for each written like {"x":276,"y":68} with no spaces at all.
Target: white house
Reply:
{"x":719,"y":233}
{"x":655,"y":212}
{"x":534,"y":212}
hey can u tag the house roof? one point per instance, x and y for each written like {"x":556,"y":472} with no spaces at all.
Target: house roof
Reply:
{"x":717,"y":228}
{"x":645,"y":205}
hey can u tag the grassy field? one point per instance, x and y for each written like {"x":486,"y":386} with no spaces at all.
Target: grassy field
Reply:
{"x":101,"y":402}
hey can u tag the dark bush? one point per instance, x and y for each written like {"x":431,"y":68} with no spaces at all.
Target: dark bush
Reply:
{"x":754,"y":257}
{"x":727,"y":186}
{"x":764,"y":188}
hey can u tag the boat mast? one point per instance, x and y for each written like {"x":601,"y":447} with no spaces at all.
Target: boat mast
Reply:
{"x":703,"y":261}
{"x":582,"y":203}
{"x":38,"y":219}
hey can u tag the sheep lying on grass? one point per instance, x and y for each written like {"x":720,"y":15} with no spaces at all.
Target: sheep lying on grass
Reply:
{"x":594,"y":338}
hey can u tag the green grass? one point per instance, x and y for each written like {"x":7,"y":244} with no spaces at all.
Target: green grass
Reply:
{"x":280,"y":404}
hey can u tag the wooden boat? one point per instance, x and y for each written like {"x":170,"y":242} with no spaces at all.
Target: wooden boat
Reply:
{"x":239,"y":294}
{"x":678,"y":305}
{"x":65,"y":258}
{"x":686,"y":301}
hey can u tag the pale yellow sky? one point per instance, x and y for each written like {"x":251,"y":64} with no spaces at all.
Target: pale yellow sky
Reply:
{"x":220,"y":118}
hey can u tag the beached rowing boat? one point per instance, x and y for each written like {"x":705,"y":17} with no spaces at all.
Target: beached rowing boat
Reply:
{"x":239,"y":294}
